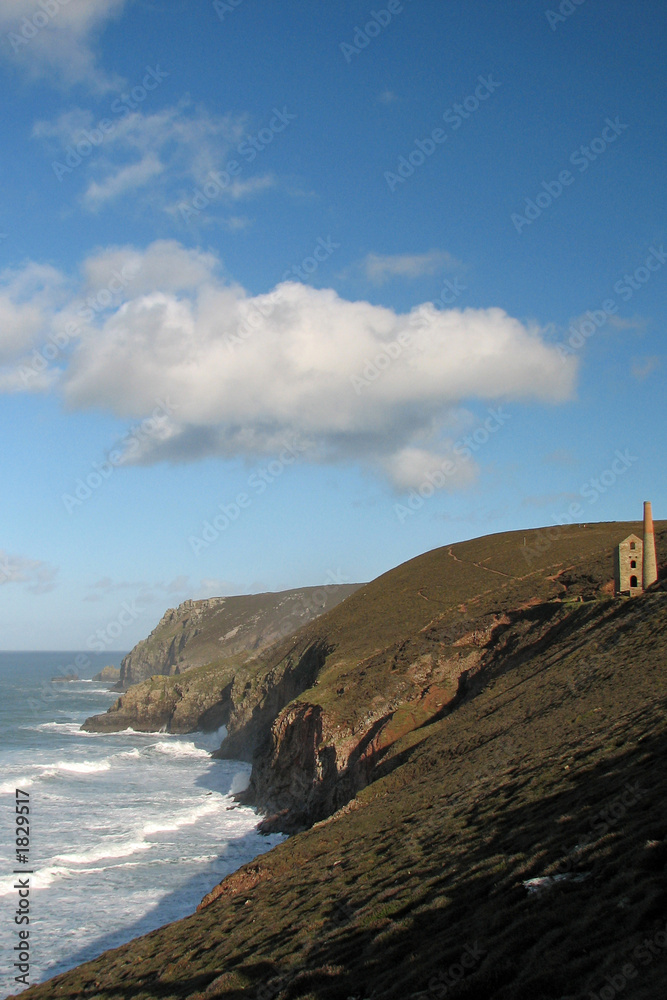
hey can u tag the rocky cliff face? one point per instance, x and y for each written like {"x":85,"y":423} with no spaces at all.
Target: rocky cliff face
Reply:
{"x":201,"y":632}
{"x":319,"y":714}
{"x":337,"y":737}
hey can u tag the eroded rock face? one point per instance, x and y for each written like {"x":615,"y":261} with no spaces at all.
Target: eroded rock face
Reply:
{"x":315,"y":758}
{"x":201,"y":632}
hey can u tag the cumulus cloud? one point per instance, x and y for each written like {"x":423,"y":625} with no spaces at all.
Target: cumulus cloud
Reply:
{"x":37,"y":576}
{"x":336,"y":380}
{"x":381,"y":267}
{"x":55,"y":39}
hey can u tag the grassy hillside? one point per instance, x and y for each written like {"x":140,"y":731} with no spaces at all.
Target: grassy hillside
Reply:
{"x":400,"y":651}
{"x":553,"y":765}
{"x":317,"y":712}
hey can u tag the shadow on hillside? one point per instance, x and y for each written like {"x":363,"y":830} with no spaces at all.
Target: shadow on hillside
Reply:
{"x":561,"y":942}
{"x":492,"y":940}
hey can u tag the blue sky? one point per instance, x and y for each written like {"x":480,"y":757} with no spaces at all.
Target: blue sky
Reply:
{"x":291,"y":294}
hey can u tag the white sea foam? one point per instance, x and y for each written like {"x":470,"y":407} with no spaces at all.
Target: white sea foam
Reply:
{"x":75,"y":767}
{"x":180,"y":749}
{"x":186,"y":819}
{"x":134,"y":732}
{"x":110,"y":849}
{"x":40,"y":879}
{"x":73,"y":728}
{"x":9,"y":787}
{"x":240,"y":782}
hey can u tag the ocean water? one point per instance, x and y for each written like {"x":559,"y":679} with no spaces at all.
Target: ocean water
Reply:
{"x":127,"y":831}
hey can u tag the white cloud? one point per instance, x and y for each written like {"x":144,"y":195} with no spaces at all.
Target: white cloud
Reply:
{"x":244,"y":375}
{"x":128,"y":178}
{"x":28,"y":297}
{"x":380,"y":267}
{"x":38,"y":577}
{"x":446,"y":468}
{"x":174,"y":149}
{"x":55,"y":39}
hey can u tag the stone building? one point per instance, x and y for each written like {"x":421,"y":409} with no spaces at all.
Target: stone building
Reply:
{"x":629,"y":566}
{"x":636,"y":564}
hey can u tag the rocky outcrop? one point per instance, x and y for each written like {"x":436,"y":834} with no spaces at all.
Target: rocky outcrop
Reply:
{"x":202,"y":632}
{"x":108,"y":675}
{"x":245,"y":698}
{"x":157,"y":705}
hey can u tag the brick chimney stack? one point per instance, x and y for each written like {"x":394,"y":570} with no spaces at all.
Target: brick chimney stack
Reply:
{"x":650,"y":564}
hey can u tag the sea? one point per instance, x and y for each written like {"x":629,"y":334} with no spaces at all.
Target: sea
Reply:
{"x":127,"y":831}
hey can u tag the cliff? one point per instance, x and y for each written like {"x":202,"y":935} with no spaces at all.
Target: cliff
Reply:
{"x":506,"y":842}
{"x":404,"y":650}
{"x":318,"y":713}
{"x":201,"y":632}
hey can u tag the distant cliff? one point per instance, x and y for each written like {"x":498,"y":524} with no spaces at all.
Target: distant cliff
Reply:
{"x":202,"y":632}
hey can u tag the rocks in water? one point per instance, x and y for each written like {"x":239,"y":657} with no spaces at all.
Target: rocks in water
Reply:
{"x":108,"y":675}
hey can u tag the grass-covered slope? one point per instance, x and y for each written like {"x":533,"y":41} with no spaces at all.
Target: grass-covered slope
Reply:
{"x":317,"y":712}
{"x":553,"y":763}
{"x":401,"y":650}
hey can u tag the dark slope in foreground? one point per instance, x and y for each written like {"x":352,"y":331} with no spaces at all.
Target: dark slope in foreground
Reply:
{"x":555,"y":764}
